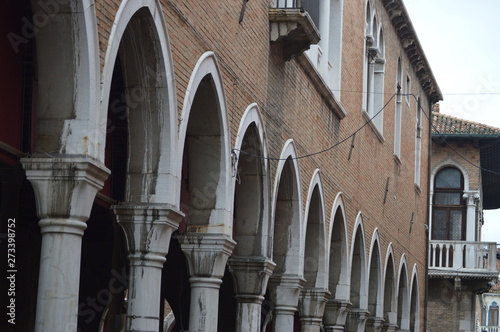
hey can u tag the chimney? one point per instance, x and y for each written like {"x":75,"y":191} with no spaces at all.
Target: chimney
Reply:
{"x":435,"y":108}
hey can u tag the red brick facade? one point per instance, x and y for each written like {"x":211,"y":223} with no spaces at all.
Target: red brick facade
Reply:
{"x":363,"y":170}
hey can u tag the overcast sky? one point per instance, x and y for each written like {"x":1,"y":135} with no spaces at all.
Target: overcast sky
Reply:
{"x":461,"y":42}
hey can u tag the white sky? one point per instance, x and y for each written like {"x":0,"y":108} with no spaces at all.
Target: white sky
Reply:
{"x":460,"y":40}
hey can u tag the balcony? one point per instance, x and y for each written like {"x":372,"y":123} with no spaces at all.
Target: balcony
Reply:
{"x":292,"y":26}
{"x":464,"y":259}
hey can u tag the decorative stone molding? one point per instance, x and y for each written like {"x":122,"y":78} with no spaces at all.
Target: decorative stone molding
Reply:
{"x":285,"y":291}
{"x":356,"y":320}
{"x":206,"y":255}
{"x":472,"y":197}
{"x":335,"y":315}
{"x":311,"y":308}
{"x":250,"y":275}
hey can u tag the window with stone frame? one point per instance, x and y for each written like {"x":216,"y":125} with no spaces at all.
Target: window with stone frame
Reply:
{"x":448,"y":211}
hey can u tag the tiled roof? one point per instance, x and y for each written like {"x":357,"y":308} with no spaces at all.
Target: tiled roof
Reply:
{"x":447,"y":124}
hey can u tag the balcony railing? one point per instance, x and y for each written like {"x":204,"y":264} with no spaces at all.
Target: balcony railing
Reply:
{"x":462,"y":256}
{"x":291,"y":26}
{"x":488,"y":329}
{"x":286,"y":4}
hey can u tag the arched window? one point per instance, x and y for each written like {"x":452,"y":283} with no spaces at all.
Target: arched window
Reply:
{"x":493,"y":314}
{"x":373,"y":71}
{"x":448,"y":213}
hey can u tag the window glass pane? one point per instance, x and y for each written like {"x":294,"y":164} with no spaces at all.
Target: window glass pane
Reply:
{"x":447,"y":198}
{"x":493,"y":316}
{"x":448,"y":178}
{"x":456,"y":224}
{"x":439,"y":225}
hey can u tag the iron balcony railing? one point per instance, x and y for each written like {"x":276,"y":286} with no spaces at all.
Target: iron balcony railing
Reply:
{"x":464,"y":256}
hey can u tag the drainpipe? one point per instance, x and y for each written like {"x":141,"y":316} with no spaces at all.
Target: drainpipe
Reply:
{"x":427,"y":232}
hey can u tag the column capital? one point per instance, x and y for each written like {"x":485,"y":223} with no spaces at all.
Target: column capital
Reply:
{"x":65,"y":186}
{"x":65,"y":189}
{"x":312,"y":305}
{"x":206,"y":253}
{"x":472,"y":197}
{"x":285,"y":291}
{"x":356,"y":319}
{"x":251,"y":275}
{"x":148,"y":228}
{"x":335,"y":316}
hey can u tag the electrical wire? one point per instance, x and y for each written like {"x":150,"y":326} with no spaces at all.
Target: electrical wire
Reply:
{"x":429,"y":117}
{"x":245,"y":84}
{"x":324,"y":150}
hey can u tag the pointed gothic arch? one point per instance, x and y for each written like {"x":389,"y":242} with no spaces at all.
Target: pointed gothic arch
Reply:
{"x":414,"y":301}
{"x":375,"y":282}
{"x":390,"y":293}
{"x":315,"y":256}
{"x":205,"y":151}
{"x":403,"y":295}
{"x":149,"y":98}
{"x":251,"y":185}
{"x":288,"y":244}
{"x":338,"y":267}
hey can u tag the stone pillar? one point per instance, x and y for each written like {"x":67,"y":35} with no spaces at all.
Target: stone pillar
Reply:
{"x":206,"y":256}
{"x":356,"y":320}
{"x":471,"y":197}
{"x":311,"y":307}
{"x":285,"y":291}
{"x":65,"y":188}
{"x":148,"y":229}
{"x":250,"y":279}
{"x":374,"y":324}
{"x":335,"y":316}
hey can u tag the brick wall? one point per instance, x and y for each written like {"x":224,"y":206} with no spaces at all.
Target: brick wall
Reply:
{"x":253,"y":70}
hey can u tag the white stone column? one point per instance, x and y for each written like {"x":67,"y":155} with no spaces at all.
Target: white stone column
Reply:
{"x":148,"y":229}
{"x":250,"y":275}
{"x":65,"y":188}
{"x":311,"y":308}
{"x":471,"y":197}
{"x":285,"y":291}
{"x":335,"y":316}
{"x":206,"y":256}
